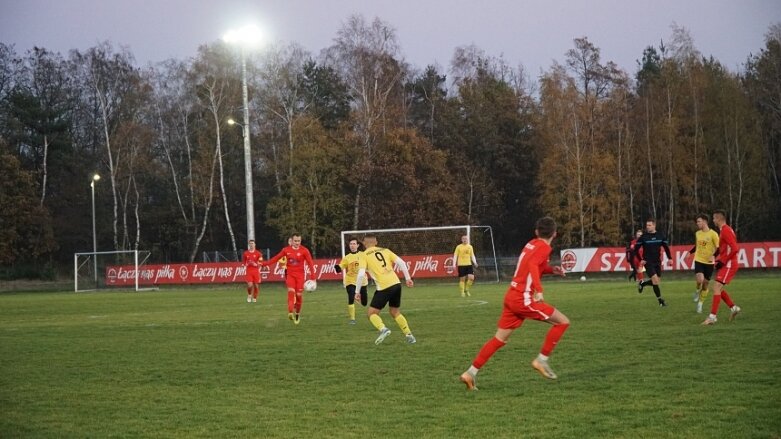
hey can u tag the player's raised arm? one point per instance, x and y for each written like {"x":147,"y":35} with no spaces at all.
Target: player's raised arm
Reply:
{"x":274,"y":259}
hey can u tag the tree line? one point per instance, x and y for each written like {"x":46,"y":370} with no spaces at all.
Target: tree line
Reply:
{"x":355,"y":137}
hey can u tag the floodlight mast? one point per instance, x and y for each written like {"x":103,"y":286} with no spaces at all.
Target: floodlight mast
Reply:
{"x":246,"y":37}
{"x":95,"y":178}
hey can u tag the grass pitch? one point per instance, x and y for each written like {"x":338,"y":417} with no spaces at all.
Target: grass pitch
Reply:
{"x":204,"y":363}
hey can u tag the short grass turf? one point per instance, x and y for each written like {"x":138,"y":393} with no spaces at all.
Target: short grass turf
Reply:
{"x":204,"y":363}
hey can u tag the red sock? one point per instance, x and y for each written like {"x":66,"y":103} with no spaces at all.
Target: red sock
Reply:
{"x":487,"y":351}
{"x":639,"y":277}
{"x":249,"y":291}
{"x":299,"y":301}
{"x":714,"y":307}
{"x":728,"y":300}
{"x":291,"y":299}
{"x":255,"y":292}
{"x":554,"y":334}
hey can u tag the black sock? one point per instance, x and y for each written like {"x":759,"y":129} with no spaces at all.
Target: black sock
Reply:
{"x":646,"y":282}
{"x":657,"y":291}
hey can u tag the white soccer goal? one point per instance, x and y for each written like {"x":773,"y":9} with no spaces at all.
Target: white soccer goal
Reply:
{"x":110,"y":270}
{"x":419,"y":241}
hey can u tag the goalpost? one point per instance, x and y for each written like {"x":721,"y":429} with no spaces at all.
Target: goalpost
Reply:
{"x":436,"y":241}
{"x":122,"y":269}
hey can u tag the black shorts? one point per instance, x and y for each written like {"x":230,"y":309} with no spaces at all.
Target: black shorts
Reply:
{"x":389,"y":296}
{"x":464,"y":270}
{"x":653,"y":268}
{"x":351,"y":295}
{"x":705,"y":269}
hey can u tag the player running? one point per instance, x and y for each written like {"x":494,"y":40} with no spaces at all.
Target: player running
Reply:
{"x":379,"y":263}
{"x":727,"y":266}
{"x":652,"y":242}
{"x":524,"y":300}
{"x":633,"y":258}
{"x":705,"y":248}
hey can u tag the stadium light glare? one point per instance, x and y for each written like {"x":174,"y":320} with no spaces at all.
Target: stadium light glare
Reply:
{"x":248,"y":36}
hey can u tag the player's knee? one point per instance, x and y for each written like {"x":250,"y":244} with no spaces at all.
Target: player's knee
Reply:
{"x":563,"y":320}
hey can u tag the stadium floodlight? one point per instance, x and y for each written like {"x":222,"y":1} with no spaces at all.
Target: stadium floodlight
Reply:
{"x":246,"y":37}
{"x":95,"y":178}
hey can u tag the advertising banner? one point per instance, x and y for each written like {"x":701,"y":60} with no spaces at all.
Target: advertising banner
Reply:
{"x":613,"y":259}
{"x":424,"y":266}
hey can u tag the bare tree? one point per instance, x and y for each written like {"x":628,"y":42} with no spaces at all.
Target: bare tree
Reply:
{"x":367,"y":56}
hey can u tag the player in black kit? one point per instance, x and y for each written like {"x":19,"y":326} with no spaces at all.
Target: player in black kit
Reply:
{"x":650,"y":242}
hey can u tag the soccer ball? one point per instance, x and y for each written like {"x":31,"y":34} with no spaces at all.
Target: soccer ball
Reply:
{"x":583,"y":278}
{"x":310,"y":285}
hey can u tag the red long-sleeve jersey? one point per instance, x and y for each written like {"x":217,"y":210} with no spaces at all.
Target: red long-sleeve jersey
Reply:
{"x":296,"y":258}
{"x":728,"y":246}
{"x":252,"y":260}
{"x":532,"y":264}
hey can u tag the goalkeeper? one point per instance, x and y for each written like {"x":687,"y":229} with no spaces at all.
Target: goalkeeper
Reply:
{"x":465,"y":261}
{"x":348,"y":266}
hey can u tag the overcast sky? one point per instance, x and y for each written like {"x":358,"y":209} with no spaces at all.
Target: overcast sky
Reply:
{"x":528,"y":32}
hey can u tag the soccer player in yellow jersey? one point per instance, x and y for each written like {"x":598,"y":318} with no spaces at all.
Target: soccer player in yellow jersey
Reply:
{"x":705,"y":248}
{"x":348,"y":266}
{"x":464,"y":259}
{"x":379,"y":262}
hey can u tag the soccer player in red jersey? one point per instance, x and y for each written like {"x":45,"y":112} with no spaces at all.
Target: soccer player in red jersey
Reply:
{"x":727,"y":266}
{"x":251,"y":259}
{"x":524,"y":300}
{"x":295,"y":274}
{"x":634,"y":258}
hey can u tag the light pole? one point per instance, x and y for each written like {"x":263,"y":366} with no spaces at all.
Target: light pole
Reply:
{"x":246,"y":37}
{"x":95,"y":178}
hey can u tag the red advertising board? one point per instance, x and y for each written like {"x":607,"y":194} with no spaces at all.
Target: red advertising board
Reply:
{"x":427,"y":266}
{"x":613,"y":259}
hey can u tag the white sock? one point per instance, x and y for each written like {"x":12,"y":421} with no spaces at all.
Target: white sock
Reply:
{"x":473,"y":370}
{"x":542,"y":357}
{"x":712,"y":316}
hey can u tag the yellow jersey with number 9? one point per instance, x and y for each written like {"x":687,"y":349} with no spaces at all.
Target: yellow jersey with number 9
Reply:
{"x":379,"y":262}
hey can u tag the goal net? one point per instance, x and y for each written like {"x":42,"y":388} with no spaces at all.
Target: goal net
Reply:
{"x":429,"y":250}
{"x":110,"y":270}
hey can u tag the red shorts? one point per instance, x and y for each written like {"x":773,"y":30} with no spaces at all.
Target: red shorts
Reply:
{"x":515,"y":311}
{"x":294,"y":281}
{"x":726,"y":273}
{"x":253,"y":276}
